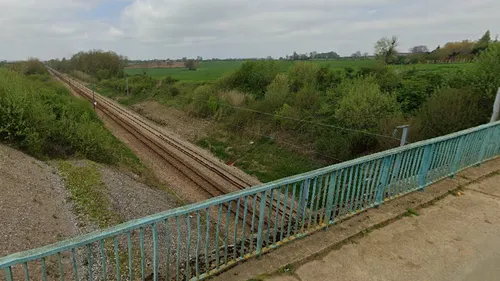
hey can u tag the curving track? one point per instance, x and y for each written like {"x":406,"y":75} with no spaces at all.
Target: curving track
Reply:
{"x":213,"y":177}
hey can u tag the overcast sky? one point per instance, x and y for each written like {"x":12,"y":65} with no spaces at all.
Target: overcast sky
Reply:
{"x":233,"y":28}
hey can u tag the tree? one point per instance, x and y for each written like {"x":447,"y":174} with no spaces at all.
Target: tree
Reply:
{"x":199,"y":58}
{"x":420,"y":49}
{"x":190,"y":64}
{"x":357,"y":54}
{"x":365,"y":54}
{"x":483,"y":43}
{"x":385,"y":48}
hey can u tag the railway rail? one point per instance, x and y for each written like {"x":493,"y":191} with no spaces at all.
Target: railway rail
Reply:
{"x":213,"y":177}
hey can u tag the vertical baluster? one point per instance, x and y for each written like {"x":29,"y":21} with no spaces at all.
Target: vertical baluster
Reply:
{"x":89,"y":261}
{"x":318,"y":201}
{"x":217,"y":256}
{"x":44,"y":269}
{"x":26,"y":272}
{"x":283,"y":214}
{"x":269,"y":216}
{"x":290,"y":217}
{"x":178,"y":250}
{"x":75,"y":266}
{"x":349,"y":190}
{"x":364,"y":179}
{"x":155,"y":252}
{"x":299,"y":206}
{"x":226,"y":236}
{"x":358,"y":186}
{"x":141,"y":246}
{"x":103,"y":260}
{"x":167,"y":262}
{"x":61,"y":268}
{"x":207,"y":238}
{"x":277,"y":211}
{"x":330,"y":186}
{"x":243,"y":226}
{"x":117,"y":259}
{"x":188,"y":247}
{"x":197,"y":244}
{"x":261,"y":222}
{"x":236,"y":219}
{"x":129,"y":249}
{"x":252,"y":227}
{"x":337,"y":193}
{"x":374,"y":182}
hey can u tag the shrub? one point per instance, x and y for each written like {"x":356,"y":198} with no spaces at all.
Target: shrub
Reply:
{"x":43,"y":119}
{"x":203,"y":103}
{"x":303,"y":74}
{"x":364,"y":105}
{"x":277,"y":93}
{"x":449,"y":110}
{"x":252,"y":77}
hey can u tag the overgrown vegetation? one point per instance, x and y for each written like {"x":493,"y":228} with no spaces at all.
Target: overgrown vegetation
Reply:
{"x":320,"y":113}
{"x":40,"y":116}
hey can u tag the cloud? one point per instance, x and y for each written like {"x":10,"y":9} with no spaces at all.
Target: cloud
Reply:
{"x":233,"y":28}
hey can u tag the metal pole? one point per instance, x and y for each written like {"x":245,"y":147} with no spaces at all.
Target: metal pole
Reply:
{"x":93,"y":96}
{"x":404,"y":134}
{"x":127,"y":86}
{"x":496,"y":108}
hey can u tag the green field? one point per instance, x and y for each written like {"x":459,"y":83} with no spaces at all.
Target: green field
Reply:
{"x":212,"y":70}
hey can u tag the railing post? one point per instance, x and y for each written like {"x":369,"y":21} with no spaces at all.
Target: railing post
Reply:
{"x":384,"y":179}
{"x":484,"y":145}
{"x":329,"y":198}
{"x":458,"y":156}
{"x":426,"y":163}
{"x":8,"y":273}
{"x":260,"y":227}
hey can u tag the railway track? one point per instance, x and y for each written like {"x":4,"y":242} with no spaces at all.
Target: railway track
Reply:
{"x":213,"y":177}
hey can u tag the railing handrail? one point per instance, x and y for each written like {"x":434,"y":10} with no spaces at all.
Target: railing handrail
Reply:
{"x":95,"y":236}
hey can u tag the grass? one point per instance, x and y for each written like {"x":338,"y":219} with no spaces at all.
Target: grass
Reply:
{"x":262,"y":158}
{"x":212,"y":70}
{"x":84,"y":183}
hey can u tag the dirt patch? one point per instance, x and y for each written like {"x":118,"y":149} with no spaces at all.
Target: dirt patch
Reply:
{"x":33,"y":207}
{"x":178,"y":121}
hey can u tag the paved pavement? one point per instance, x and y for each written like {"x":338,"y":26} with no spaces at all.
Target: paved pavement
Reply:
{"x":457,"y":238}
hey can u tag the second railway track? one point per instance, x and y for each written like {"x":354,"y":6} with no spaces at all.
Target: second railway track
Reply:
{"x":210,"y":175}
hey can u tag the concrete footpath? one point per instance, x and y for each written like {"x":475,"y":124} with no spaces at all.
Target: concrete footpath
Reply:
{"x":455,"y":238}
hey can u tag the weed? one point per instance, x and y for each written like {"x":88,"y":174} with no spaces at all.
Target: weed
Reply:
{"x":412,"y":212}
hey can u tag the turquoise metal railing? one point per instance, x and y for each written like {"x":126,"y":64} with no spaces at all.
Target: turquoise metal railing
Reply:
{"x":195,"y":241}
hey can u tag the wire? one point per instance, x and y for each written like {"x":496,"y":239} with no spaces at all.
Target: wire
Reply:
{"x":307,"y":121}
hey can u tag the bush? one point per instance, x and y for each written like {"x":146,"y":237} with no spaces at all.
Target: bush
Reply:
{"x":203,"y":103}
{"x":363,"y":105}
{"x":303,"y":74}
{"x":43,"y":119}
{"x":450,"y":110}
{"x":277,"y":93}
{"x":252,"y":77}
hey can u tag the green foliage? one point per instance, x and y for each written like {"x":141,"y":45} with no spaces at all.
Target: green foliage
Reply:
{"x":252,"y":77}
{"x":30,"y":67}
{"x":277,"y":92}
{"x":302,"y":74}
{"x":204,"y":103}
{"x":363,"y":105}
{"x":191,"y":64}
{"x":449,"y":110}
{"x":96,"y":63}
{"x":43,"y":119}
{"x":486,"y":71}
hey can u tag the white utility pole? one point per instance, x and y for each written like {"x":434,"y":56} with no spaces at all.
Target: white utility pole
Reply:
{"x":496,"y":108}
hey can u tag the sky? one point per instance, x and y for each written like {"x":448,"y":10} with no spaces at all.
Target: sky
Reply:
{"x":147,"y":29}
